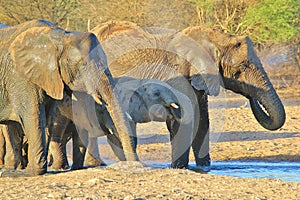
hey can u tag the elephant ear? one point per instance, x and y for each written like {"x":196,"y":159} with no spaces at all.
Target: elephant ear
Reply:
{"x":200,"y":54}
{"x":35,"y":58}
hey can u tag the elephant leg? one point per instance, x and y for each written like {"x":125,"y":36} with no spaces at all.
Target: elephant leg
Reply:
{"x":24,"y":153}
{"x":201,"y":140}
{"x":92,"y":157}
{"x":80,"y":143}
{"x":9,"y":157}
{"x":134,"y":136}
{"x":180,"y":142}
{"x":14,"y":142}
{"x":34,"y":127}
{"x":57,"y":147}
{"x":51,"y":119}
{"x":65,"y":163}
{"x":2,"y":144}
{"x":116,"y":146}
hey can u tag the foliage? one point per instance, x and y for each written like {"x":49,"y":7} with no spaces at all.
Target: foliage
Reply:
{"x":273,"y":20}
{"x":167,"y":13}
{"x":267,"y":21}
{"x":57,"y":11}
{"x":222,"y":14}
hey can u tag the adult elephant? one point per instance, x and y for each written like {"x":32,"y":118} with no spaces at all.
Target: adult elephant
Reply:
{"x":199,"y":54}
{"x":40,"y":61}
{"x":143,"y":100}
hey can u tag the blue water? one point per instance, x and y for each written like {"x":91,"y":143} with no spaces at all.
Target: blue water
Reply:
{"x":286,"y":171}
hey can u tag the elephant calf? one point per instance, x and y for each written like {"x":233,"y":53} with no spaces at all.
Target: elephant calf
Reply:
{"x":143,"y":100}
{"x":11,"y":155}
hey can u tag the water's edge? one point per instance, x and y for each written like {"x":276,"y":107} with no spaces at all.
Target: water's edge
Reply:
{"x":283,"y":170}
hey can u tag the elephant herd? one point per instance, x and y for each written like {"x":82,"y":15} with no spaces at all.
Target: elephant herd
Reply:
{"x":56,"y":85}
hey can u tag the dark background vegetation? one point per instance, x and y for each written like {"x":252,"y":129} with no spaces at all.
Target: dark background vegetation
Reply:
{"x":273,"y":25}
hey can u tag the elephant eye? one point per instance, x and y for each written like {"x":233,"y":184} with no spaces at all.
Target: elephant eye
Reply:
{"x":156,"y":93}
{"x":237,"y":75}
{"x":237,"y":45}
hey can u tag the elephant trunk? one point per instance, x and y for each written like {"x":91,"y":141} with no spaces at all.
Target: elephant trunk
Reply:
{"x":118,"y":116}
{"x":265,"y":103}
{"x":125,"y":133}
{"x":268,"y":109}
{"x":172,"y":103}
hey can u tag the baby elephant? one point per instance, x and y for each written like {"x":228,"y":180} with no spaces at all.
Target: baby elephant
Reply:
{"x":12,"y":148}
{"x":143,"y":100}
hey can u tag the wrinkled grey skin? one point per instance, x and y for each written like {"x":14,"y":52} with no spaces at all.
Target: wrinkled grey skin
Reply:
{"x":143,"y":101}
{"x":237,"y":64}
{"x":64,"y":129}
{"x":40,"y":61}
{"x":11,"y":152}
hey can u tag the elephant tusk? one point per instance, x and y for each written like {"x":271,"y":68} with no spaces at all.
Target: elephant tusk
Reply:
{"x":128,"y":115}
{"x":97,"y":99}
{"x":74,"y":98}
{"x":110,"y":131}
{"x":174,"y":105}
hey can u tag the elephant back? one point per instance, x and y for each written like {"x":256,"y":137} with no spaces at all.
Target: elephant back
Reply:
{"x":8,"y":34}
{"x":108,"y":29}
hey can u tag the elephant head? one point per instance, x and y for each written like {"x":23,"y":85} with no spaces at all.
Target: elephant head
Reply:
{"x":148,"y":100}
{"x":57,"y":60}
{"x":152,"y":100}
{"x":161,"y":103}
{"x":243,"y":73}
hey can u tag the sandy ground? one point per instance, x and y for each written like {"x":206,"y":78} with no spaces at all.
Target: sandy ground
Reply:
{"x":235,"y":135}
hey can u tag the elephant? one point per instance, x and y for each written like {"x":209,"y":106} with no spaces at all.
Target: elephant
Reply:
{"x":64,"y":129}
{"x":207,"y":58}
{"x":39,"y":62}
{"x":143,"y":100}
{"x":11,"y":152}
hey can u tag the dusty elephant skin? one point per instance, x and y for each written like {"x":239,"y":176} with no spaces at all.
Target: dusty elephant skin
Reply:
{"x":64,"y":129}
{"x":200,"y":55}
{"x":40,"y":61}
{"x":12,"y":152}
{"x":144,"y":100}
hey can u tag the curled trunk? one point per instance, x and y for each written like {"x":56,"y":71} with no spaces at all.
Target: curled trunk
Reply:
{"x":268,"y":110}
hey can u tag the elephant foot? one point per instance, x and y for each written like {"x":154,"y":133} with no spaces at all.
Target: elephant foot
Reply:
{"x":93,"y":161}
{"x":76,"y":166}
{"x":59,"y":166}
{"x":36,"y":168}
{"x":35,"y":171}
{"x":179,"y":164}
{"x":203,"y":164}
